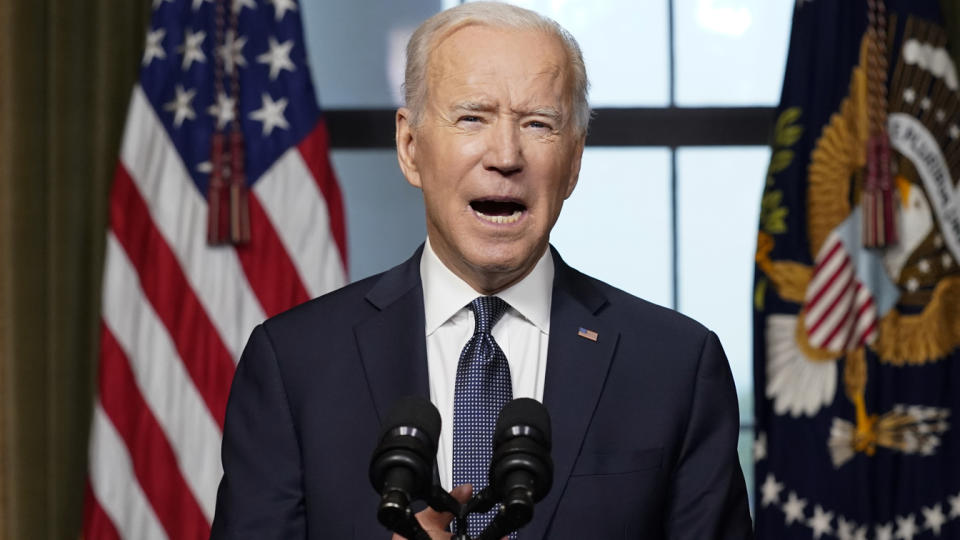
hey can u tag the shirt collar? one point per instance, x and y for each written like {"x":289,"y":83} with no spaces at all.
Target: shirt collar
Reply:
{"x":445,"y":294}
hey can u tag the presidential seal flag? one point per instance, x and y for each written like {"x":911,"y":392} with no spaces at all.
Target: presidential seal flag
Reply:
{"x":223,"y":211}
{"x":857,"y":290}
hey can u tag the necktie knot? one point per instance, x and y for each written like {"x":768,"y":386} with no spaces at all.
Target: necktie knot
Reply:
{"x":487,"y":310}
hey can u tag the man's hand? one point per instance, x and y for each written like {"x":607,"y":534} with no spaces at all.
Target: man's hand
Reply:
{"x":435,"y":523}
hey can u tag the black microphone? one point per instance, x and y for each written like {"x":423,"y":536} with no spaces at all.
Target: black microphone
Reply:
{"x":521,"y":470}
{"x":401,"y":468}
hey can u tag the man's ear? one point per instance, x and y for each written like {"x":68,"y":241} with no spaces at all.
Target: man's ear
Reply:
{"x":575,"y":166}
{"x":407,"y":147}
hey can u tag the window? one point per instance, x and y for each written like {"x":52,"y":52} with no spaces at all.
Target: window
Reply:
{"x":730,"y":52}
{"x":718,"y":196}
{"x":607,"y":227}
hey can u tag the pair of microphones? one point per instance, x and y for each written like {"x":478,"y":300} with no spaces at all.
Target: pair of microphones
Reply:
{"x":521,"y":470}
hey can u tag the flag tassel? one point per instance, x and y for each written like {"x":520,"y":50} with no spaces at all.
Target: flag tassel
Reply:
{"x":227,"y":196}
{"x":877,"y":201}
{"x":239,"y":202}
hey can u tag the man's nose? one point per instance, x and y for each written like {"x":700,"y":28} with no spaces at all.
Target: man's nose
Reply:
{"x":504,"y":149}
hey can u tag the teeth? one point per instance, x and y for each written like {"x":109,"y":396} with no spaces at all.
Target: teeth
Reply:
{"x":512,"y":218}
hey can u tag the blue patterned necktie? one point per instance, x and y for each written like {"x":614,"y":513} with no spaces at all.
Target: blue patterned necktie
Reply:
{"x":483,"y":387}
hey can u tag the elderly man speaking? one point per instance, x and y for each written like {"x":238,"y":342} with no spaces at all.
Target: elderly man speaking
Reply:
{"x":641,"y":399}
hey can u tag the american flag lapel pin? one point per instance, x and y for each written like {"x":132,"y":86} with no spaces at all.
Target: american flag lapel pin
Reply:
{"x":589,"y":334}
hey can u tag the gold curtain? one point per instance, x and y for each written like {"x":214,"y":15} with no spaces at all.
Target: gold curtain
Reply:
{"x":66,"y":71}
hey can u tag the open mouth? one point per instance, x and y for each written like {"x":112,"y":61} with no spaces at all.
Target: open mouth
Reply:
{"x":498,"y":211}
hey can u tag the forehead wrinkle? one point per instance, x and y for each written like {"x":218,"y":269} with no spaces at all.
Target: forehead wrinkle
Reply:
{"x":540,"y":88}
{"x":441,"y":67}
{"x":549,"y":98}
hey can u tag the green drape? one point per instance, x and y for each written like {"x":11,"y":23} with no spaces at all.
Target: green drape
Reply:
{"x":951,"y":17}
{"x":66,"y":71}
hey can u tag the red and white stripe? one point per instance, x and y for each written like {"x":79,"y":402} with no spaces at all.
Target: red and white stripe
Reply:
{"x":839,"y":312}
{"x":176,"y":315}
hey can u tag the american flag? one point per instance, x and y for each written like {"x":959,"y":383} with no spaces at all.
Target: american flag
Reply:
{"x":177,"y":309}
{"x":839,"y":311}
{"x":589,"y":334}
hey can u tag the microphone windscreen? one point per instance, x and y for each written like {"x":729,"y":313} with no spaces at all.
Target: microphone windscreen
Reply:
{"x":414,"y":411}
{"x":524,"y":412}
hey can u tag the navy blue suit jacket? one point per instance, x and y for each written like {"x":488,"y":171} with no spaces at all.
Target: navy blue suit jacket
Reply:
{"x":645,"y":420}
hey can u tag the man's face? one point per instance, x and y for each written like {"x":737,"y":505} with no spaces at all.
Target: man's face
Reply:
{"x":495,"y":153}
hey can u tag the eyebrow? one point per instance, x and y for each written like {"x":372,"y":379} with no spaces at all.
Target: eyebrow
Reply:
{"x":475,"y":106}
{"x":549,"y":112}
{"x":485,"y":106}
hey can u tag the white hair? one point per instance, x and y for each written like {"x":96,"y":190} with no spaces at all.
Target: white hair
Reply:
{"x":496,"y":15}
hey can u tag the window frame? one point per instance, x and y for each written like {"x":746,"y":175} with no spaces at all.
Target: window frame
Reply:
{"x":668,"y":127}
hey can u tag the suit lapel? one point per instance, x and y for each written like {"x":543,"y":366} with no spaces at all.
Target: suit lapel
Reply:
{"x":392,"y":344}
{"x":576,"y":371}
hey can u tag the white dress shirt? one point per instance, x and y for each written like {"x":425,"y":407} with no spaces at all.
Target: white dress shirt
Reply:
{"x":522,"y":334}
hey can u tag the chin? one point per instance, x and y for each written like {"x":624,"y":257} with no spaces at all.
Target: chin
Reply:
{"x":493,"y":265}
{"x":503,"y":259}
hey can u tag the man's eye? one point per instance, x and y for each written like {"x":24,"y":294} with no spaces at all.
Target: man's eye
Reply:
{"x":536,"y":124}
{"x":469,"y":118}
